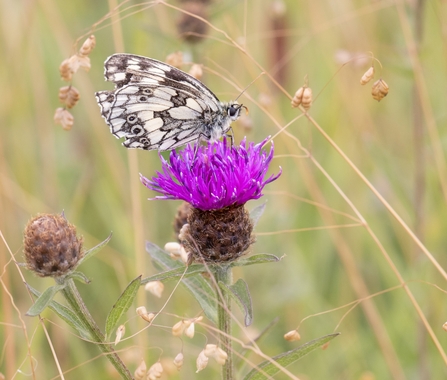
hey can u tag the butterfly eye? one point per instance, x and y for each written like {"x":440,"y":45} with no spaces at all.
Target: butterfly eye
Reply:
{"x":131,"y":119}
{"x":142,"y":98}
{"x":137,"y":130}
{"x":147,"y":91}
{"x":233,"y":112}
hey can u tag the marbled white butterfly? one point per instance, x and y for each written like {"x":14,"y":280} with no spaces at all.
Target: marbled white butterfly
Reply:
{"x":156,"y":106}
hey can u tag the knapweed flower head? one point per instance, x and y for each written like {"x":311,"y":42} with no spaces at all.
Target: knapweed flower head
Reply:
{"x":216,"y":180}
{"x":215,"y":176}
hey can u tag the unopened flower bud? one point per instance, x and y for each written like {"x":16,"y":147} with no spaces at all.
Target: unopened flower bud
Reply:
{"x":69,"y":96}
{"x":196,"y":71}
{"x":369,"y":74}
{"x":292,"y":336}
{"x":87,"y":46}
{"x":178,"y":361}
{"x":155,"y":287}
{"x":379,"y":90}
{"x":51,"y":246}
{"x":175,"y":59}
{"x":155,"y":371}
{"x":141,"y":371}
{"x":120,"y":331}
{"x":202,"y":361}
{"x":142,"y":312}
{"x":64,"y":118}
{"x":302,"y":97}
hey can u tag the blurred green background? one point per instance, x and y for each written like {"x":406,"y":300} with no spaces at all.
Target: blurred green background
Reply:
{"x":333,"y":231}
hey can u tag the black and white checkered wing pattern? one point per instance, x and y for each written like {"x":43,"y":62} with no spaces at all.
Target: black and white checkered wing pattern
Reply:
{"x":156,"y":106}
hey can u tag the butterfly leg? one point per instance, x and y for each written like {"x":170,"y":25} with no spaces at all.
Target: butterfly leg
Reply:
{"x":230,"y":134}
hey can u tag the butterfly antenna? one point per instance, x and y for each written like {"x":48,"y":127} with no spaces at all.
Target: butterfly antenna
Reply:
{"x":253,"y":81}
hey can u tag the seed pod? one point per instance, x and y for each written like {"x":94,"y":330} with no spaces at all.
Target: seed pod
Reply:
{"x":69,"y":96}
{"x":155,"y":371}
{"x":66,"y":70}
{"x":175,"y":59}
{"x":51,"y":246}
{"x":379,"y":89}
{"x":155,"y":287}
{"x":120,"y":331}
{"x":64,"y":118}
{"x":189,"y":331}
{"x":196,"y":71}
{"x":369,"y":74}
{"x":141,"y":371}
{"x":202,"y":361}
{"x":292,"y":336}
{"x":142,"y":312}
{"x":87,"y":46}
{"x":221,"y":356}
{"x":178,"y":328}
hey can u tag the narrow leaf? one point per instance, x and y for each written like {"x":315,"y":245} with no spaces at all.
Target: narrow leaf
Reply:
{"x":197,"y":285}
{"x":67,"y":315}
{"x":241,"y":295}
{"x":43,"y":300}
{"x":256,"y":213}
{"x":266,"y":369}
{"x":174,"y":274}
{"x":93,"y":251}
{"x":123,"y":304}
{"x":256,"y":259}
{"x":79,"y":276}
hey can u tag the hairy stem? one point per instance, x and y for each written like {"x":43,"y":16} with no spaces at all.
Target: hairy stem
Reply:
{"x":223,"y":274}
{"x":76,"y":303}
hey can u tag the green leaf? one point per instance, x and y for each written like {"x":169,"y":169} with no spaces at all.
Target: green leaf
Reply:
{"x":197,"y":285}
{"x":93,"y":251}
{"x":122,"y":305}
{"x":241,"y":295}
{"x":174,"y":274}
{"x":79,"y":276}
{"x":67,"y":315}
{"x":286,"y":358}
{"x":256,"y":213}
{"x":255,"y":259}
{"x":44,"y":300}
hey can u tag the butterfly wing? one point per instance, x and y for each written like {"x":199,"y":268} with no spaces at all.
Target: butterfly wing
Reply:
{"x":156,"y":106}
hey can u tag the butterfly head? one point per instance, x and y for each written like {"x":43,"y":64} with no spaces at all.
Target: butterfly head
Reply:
{"x":234,"y":110}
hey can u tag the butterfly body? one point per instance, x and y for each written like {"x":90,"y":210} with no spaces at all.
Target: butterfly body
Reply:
{"x":157,"y":106}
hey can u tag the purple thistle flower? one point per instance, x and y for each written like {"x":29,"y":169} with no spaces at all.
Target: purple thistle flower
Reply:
{"x":219,"y":176}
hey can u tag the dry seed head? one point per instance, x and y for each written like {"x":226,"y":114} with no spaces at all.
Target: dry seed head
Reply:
{"x":292,"y":336}
{"x":196,"y":71}
{"x":142,"y":312}
{"x":120,"y":331}
{"x":379,"y":89}
{"x":80,"y":61}
{"x":178,"y":328}
{"x":141,"y":371}
{"x":87,"y":46}
{"x":155,"y":287}
{"x":302,"y":97}
{"x":64,"y":118}
{"x":69,"y":96}
{"x":189,"y":331}
{"x":66,"y":70}
{"x":369,"y":74}
{"x":155,"y":371}
{"x":175,"y":59}
{"x":178,"y":361}
{"x":202,"y":361}
{"x":190,"y":28}
{"x":51,"y":246}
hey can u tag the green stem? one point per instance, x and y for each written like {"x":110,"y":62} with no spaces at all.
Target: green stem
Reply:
{"x":74,"y":299}
{"x":224,"y":274}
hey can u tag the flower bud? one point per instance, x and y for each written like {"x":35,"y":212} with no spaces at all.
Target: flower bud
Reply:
{"x":369,"y":74}
{"x":51,"y":246}
{"x":64,"y":118}
{"x":155,"y":287}
{"x":379,"y":90}
{"x":292,"y":336}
